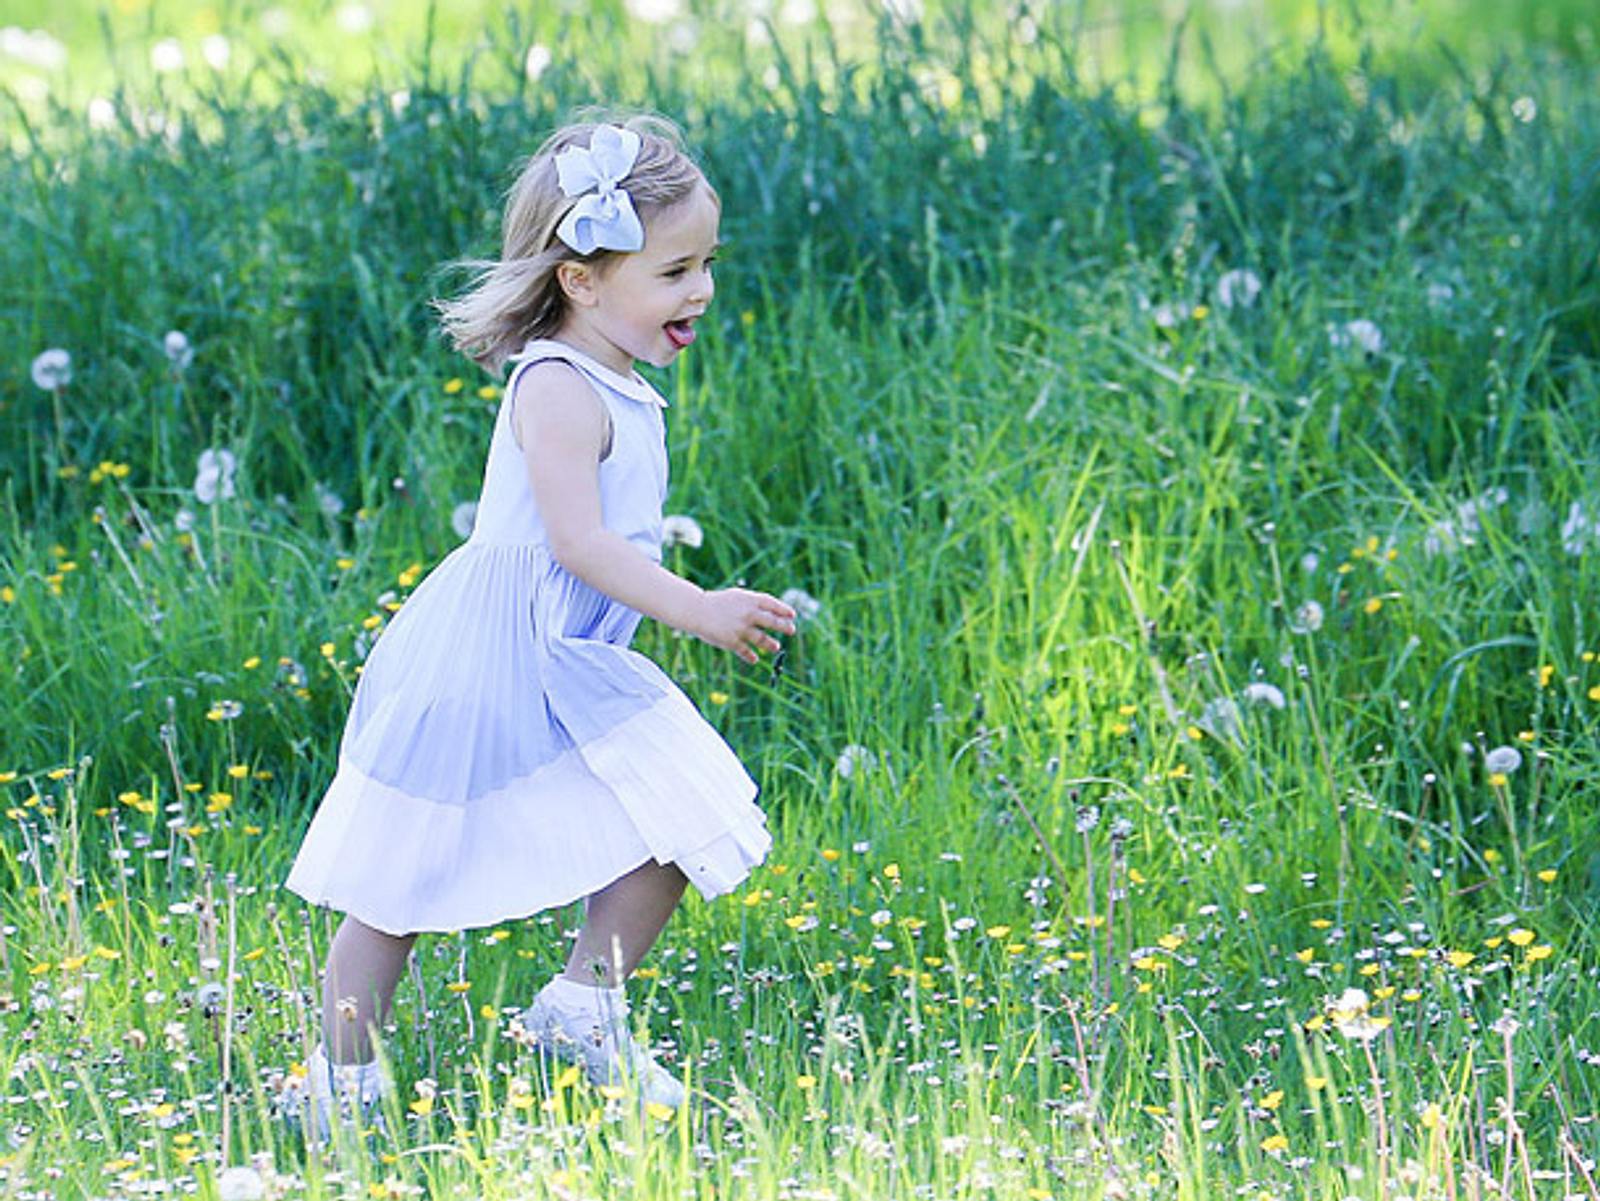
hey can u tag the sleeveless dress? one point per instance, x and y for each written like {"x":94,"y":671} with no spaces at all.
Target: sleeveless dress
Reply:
{"x":505,"y":751}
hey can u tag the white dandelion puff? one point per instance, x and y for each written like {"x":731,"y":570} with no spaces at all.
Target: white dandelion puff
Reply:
{"x":184,"y":520}
{"x":354,"y":18}
{"x":241,"y":1184}
{"x":176,"y":345}
{"x":1579,"y":531}
{"x":1359,"y":334}
{"x":1503,"y":760}
{"x":217,"y":51}
{"x":464,"y":518}
{"x":33,"y":47}
{"x":213,"y":479}
{"x":1525,"y":109}
{"x":678,"y":530}
{"x":102,"y":113}
{"x":1238,"y":287}
{"x":166,"y":55}
{"x":1307,"y":618}
{"x":536,"y":61}
{"x":655,"y":12}
{"x":806,"y":606}
{"x":328,"y":500}
{"x":52,"y":369}
{"x":852,"y":759}
{"x":1262,"y":693}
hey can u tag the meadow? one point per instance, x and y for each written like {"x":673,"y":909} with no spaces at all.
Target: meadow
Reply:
{"x":1183,"y":782}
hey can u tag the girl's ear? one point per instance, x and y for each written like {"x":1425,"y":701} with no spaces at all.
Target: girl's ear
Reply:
{"x":577,"y":282}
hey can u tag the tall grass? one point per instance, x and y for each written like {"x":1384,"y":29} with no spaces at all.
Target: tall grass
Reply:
{"x":1062,"y":901}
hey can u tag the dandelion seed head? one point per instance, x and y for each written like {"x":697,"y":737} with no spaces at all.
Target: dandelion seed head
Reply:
{"x":1502,"y":760}
{"x":678,"y":530}
{"x":537,"y":60}
{"x":1307,"y":618}
{"x":52,"y":369}
{"x":1262,"y":693}
{"x":178,"y":351}
{"x":1239,"y":286}
{"x":806,"y":606}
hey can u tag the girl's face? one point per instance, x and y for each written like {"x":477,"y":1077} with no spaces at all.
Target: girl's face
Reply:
{"x":644,"y":305}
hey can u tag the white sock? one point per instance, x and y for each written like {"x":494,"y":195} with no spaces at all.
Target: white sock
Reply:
{"x":585,"y":996}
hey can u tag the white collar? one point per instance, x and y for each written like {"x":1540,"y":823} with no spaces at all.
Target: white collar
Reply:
{"x":633,"y":385}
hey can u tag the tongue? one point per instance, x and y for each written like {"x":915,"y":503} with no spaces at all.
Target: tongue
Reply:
{"x":680,"y":332}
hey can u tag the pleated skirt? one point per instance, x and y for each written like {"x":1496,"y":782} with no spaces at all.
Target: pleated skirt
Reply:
{"x":506,"y":752}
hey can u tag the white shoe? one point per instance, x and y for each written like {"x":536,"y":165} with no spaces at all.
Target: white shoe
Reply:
{"x":352,"y":1090}
{"x":599,"y":1040}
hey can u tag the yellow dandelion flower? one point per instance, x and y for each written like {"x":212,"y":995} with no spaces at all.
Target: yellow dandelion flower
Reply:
{"x":1306,"y":955}
{"x":1543,"y":951}
{"x":998,"y":931}
{"x":1498,"y":779}
{"x":1136,"y":876}
{"x":568,"y":1077}
{"x":1493,"y":941}
{"x":1548,"y":876}
{"x":1431,"y":1116}
{"x":891,"y":871}
{"x":238,"y":770}
{"x":830,"y":854}
{"x":422,"y":1106}
{"x":454,"y":385}
{"x":488,"y":392}
{"x":459,"y":986}
{"x":805,"y":1083}
{"x":1594,"y":693}
{"x":1411,"y":996}
{"x":1520,"y":937}
{"x":660,"y":1112}
{"x":1170,"y":942}
{"x":1272,"y":1100}
{"x":1273,"y":1144}
{"x":8,"y":594}
{"x":1460,"y":958}
{"x":1201,"y":312}
{"x":1127,"y":710}
{"x":1316,"y":1083}
{"x":1373,"y":604}
{"x":1526,"y":736}
{"x":253,"y":662}
{"x":1156,"y":1111}
{"x":719,"y":698}
{"x":1491,"y":856}
{"x":1545,"y":672}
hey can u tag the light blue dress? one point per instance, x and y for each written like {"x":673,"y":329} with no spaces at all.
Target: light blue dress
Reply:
{"x":506,"y":751}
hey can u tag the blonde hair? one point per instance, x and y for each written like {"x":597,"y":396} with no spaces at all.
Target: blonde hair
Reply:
{"x":518,"y":297}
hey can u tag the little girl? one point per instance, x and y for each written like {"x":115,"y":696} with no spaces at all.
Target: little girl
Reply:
{"x":505,"y":751}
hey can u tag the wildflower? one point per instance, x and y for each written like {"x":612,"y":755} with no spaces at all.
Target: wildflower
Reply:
{"x":454,"y":385}
{"x":537,"y":59}
{"x":179,"y":353}
{"x":1351,"y":1016}
{"x":1505,"y":1025}
{"x":656,"y":12}
{"x":328,"y":500}
{"x":806,"y":606}
{"x":1503,"y":760}
{"x":216,"y":50}
{"x":1237,"y":287}
{"x":1580,"y":531}
{"x":1168,"y":315}
{"x":1520,"y":937}
{"x":1307,"y":618}
{"x":166,"y":55}
{"x":1525,"y":109}
{"x":677,"y":530}
{"x":224,"y":711}
{"x":463,"y":518}
{"x":1361,"y":334}
{"x":1373,"y":605}
{"x":240,"y":1184}
{"x":214,"y":478}
{"x":853,"y":757}
{"x":1274,"y":1144}
{"x":52,"y":369}
{"x":1543,"y":951}
{"x":1262,"y":693}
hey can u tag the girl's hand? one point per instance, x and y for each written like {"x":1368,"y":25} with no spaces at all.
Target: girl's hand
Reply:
{"x":736,"y":619}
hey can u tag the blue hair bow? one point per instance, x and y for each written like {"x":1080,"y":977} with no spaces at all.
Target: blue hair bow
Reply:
{"x":603,"y":218}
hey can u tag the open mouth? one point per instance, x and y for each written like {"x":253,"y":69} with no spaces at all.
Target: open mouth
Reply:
{"x":680,"y":333}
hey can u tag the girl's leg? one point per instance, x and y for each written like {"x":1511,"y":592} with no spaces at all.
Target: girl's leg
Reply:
{"x":623,"y":920}
{"x":364,"y":965}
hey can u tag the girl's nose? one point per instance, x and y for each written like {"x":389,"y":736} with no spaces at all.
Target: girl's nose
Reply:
{"x":705,"y":287}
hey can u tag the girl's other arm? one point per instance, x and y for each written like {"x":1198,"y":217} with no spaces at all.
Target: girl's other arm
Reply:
{"x":561,"y":424}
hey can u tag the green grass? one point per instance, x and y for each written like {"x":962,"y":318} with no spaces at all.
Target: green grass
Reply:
{"x":1055,"y":540}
